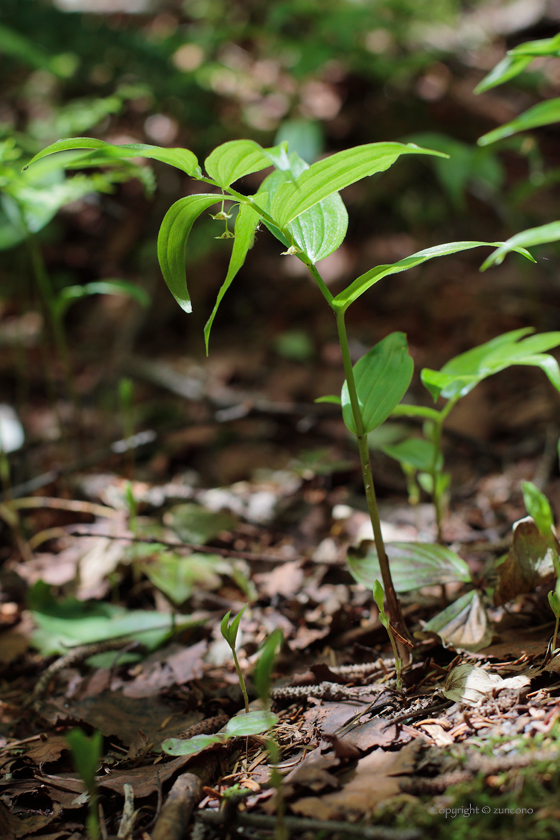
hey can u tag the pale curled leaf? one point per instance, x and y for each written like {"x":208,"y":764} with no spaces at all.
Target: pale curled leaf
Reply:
{"x":382,"y":378}
{"x":529,"y":562}
{"x":462,"y":625}
{"x":469,"y":684}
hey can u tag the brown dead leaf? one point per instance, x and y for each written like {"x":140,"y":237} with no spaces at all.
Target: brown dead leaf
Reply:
{"x":285,"y":580}
{"x":186,"y":663}
{"x":48,"y":750}
{"x":527,"y":564}
{"x":374,"y":780}
{"x":312,"y":774}
{"x":12,"y":827}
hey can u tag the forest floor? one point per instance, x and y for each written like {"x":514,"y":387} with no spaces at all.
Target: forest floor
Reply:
{"x":121,"y":560}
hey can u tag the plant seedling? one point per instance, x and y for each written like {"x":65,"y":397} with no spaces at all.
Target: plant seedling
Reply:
{"x":422,"y":457}
{"x":379,"y":598}
{"x":229,"y":632}
{"x":301,"y":206}
{"x":86,"y":754}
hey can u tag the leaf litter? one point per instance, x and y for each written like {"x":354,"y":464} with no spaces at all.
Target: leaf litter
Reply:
{"x":130,"y":630}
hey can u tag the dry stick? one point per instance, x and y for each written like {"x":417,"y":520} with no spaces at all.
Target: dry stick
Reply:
{"x":183,"y":798}
{"x":208,"y":549}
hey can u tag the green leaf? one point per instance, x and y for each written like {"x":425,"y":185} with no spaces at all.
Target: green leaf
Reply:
{"x":407,"y":410}
{"x":542,"y":114}
{"x":196,"y":524}
{"x":554,"y":602}
{"x":181,"y":158}
{"x":318,"y":231}
{"x":86,"y":755}
{"x":538,"y":507}
{"x":333,"y":174}
{"x":367,"y":280}
{"x":172,"y":239}
{"x":251,"y":723}
{"x":67,"y":623}
{"x":100,"y":287}
{"x":413,"y":565}
{"x":379,"y":598}
{"x":517,"y":59}
{"x":460,"y":375}
{"x":463,"y":624}
{"x":263,"y":669}
{"x":178,"y":576}
{"x":230,"y":632}
{"x":246,"y":224}
{"x":382,"y":378}
{"x":329,"y":398}
{"x":234,"y":159}
{"x":191,"y":746}
{"x":525,"y":239}
{"x":416,"y":452}
{"x":507,"y":69}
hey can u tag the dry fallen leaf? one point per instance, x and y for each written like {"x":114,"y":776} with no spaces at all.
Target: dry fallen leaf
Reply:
{"x":374,"y":780}
{"x":528,"y":563}
{"x":470,"y":684}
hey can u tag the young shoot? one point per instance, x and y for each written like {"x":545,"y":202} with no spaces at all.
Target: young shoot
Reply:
{"x":379,"y":597}
{"x":86,"y":755}
{"x":229,"y":632}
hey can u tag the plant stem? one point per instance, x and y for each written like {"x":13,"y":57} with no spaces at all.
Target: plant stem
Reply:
{"x":241,"y":680}
{"x":435,"y":471}
{"x":393,"y":606}
{"x":555,"y":637}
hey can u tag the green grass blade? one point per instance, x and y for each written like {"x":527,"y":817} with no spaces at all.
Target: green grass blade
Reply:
{"x":542,"y":114}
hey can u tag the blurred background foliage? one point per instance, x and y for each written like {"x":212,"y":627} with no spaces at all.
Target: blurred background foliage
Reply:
{"x":323,"y":75}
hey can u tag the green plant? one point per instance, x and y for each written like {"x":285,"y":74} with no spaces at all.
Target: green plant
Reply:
{"x":422,"y":458}
{"x":544,"y":113}
{"x":301,"y":206}
{"x":379,"y":597}
{"x":229,"y":632}
{"x":86,"y":754}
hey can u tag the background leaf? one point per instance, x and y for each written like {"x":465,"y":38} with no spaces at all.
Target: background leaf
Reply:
{"x":544,"y":113}
{"x":525,"y":239}
{"x":181,"y":158}
{"x":463,"y":624}
{"x":413,"y":565}
{"x":417,"y":452}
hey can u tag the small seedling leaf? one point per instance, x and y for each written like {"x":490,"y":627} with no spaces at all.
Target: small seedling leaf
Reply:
{"x":416,"y":452}
{"x":265,"y":664}
{"x":191,"y":746}
{"x":330,"y":398}
{"x":554,"y":602}
{"x":405,"y":410}
{"x":382,"y":378}
{"x":538,"y":507}
{"x":229,"y":632}
{"x":413,"y":565}
{"x":246,"y":224}
{"x":367,"y":280}
{"x":252,"y":723}
{"x":172,"y":239}
{"x":544,"y":113}
{"x":379,"y":598}
{"x":460,"y":375}
{"x":525,"y":239}
{"x":463,"y":624}
{"x":181,"y":158}
{"x":100,"y":287}
{"x":333,"y":174}
{"x":86,"y":754}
